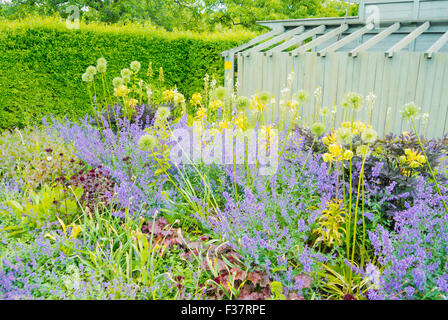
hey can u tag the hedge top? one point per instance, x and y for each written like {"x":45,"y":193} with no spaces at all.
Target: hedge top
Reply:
{"x":135,"y":29}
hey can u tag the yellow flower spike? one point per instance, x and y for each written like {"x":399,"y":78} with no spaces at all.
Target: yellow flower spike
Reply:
{"x":132,"y":103}
{"x":224,"y":125}
{"x":413,"y":159}
{"x":267,"y":130}
{"x":216,"y":104}
{"x":256,"y":105}
{"x":336,"y":151}
{"x":167,"y":95}
{"x":201,"y":113}
{"x":240,"y":121}
{"x":196,"y":99}
{"x":292,"y":104}
{"x":331,"y":223}
{"x":329,"y":139}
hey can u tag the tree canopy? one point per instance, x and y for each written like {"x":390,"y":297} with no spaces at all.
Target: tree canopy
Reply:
{"x":197,"y":15}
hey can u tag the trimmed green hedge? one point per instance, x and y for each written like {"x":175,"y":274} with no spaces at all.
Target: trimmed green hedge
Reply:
{"x":41,"y":63}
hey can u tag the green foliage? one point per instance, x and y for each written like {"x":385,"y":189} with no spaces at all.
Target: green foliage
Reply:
{"x":43,"y":61}
{"x":277,"y":291}
{"x":340,"y":282}
{"x":38,"y":208}
{"x":184,"y":14}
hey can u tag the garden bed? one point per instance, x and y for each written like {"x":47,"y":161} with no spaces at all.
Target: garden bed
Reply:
{"x":140,"y":211}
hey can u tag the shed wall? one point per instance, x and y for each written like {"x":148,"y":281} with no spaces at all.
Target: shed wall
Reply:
{"x":407,"y":77}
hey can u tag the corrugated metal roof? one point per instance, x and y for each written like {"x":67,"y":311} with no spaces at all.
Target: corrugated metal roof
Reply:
{"x":349,"y":35}
{"x":389,"y":26}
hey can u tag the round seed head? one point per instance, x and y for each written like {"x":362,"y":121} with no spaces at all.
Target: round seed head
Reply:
{"x":147,"y":142}
{"x":135,"y":66}
{"x":318,"y":129}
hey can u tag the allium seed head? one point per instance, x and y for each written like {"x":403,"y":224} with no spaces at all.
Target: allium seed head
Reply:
{"x":363,"y":151}
{"x":242,"y":103}
{"x":117,"y":82}
{"x":87,"y":77}
{"x":163,"y":113}
{"x":147,"y":142}
{"x":353,"y":101}
{"x":318,"y":129}
{"x":410,"y":111}
{"x":91,"y":70}
{"x":126,"y":73}
{"x":264,"y":97}
{"x":221,"y":93}
{"x":369,"y":136}
{"x":302,"y":96}
{"x":135,"y":66}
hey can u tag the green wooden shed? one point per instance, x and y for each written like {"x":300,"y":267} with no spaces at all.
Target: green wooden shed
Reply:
{"x":395,"y":49}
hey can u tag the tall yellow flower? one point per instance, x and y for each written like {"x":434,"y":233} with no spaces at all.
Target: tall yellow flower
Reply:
{"x":329,"y":139}
{"x":256,"y":105}
{"x":240,"y":121}
{"x":331,"y":223}
{"x":413,"y":159}
{"x":168,"y":95}
{"x":196,"y":99}
{"x":201,"y":113}
{"x":224,"y":125}
{"x":336,"y":151}
{"x":215,"y":105}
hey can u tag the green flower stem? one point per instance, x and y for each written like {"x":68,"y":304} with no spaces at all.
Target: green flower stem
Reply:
{"x":361,"y":175}
{"x":429,"y":165}
{"x":348,"y":231}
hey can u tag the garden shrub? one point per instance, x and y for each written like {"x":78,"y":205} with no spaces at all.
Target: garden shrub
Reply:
{"x":42,"y":62}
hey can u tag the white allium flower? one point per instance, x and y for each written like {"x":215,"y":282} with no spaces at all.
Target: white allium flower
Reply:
{"x":101,"y":65}
{"x":135,"y":66}
{"x":371,"y":98}
{"x":117,"y":82}
{"x":91,"y":70}
{"x":87,"y":77}
{"x":126,"y":73}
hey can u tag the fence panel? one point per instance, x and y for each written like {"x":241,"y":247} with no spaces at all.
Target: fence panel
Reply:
{"x":406,"y":77}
